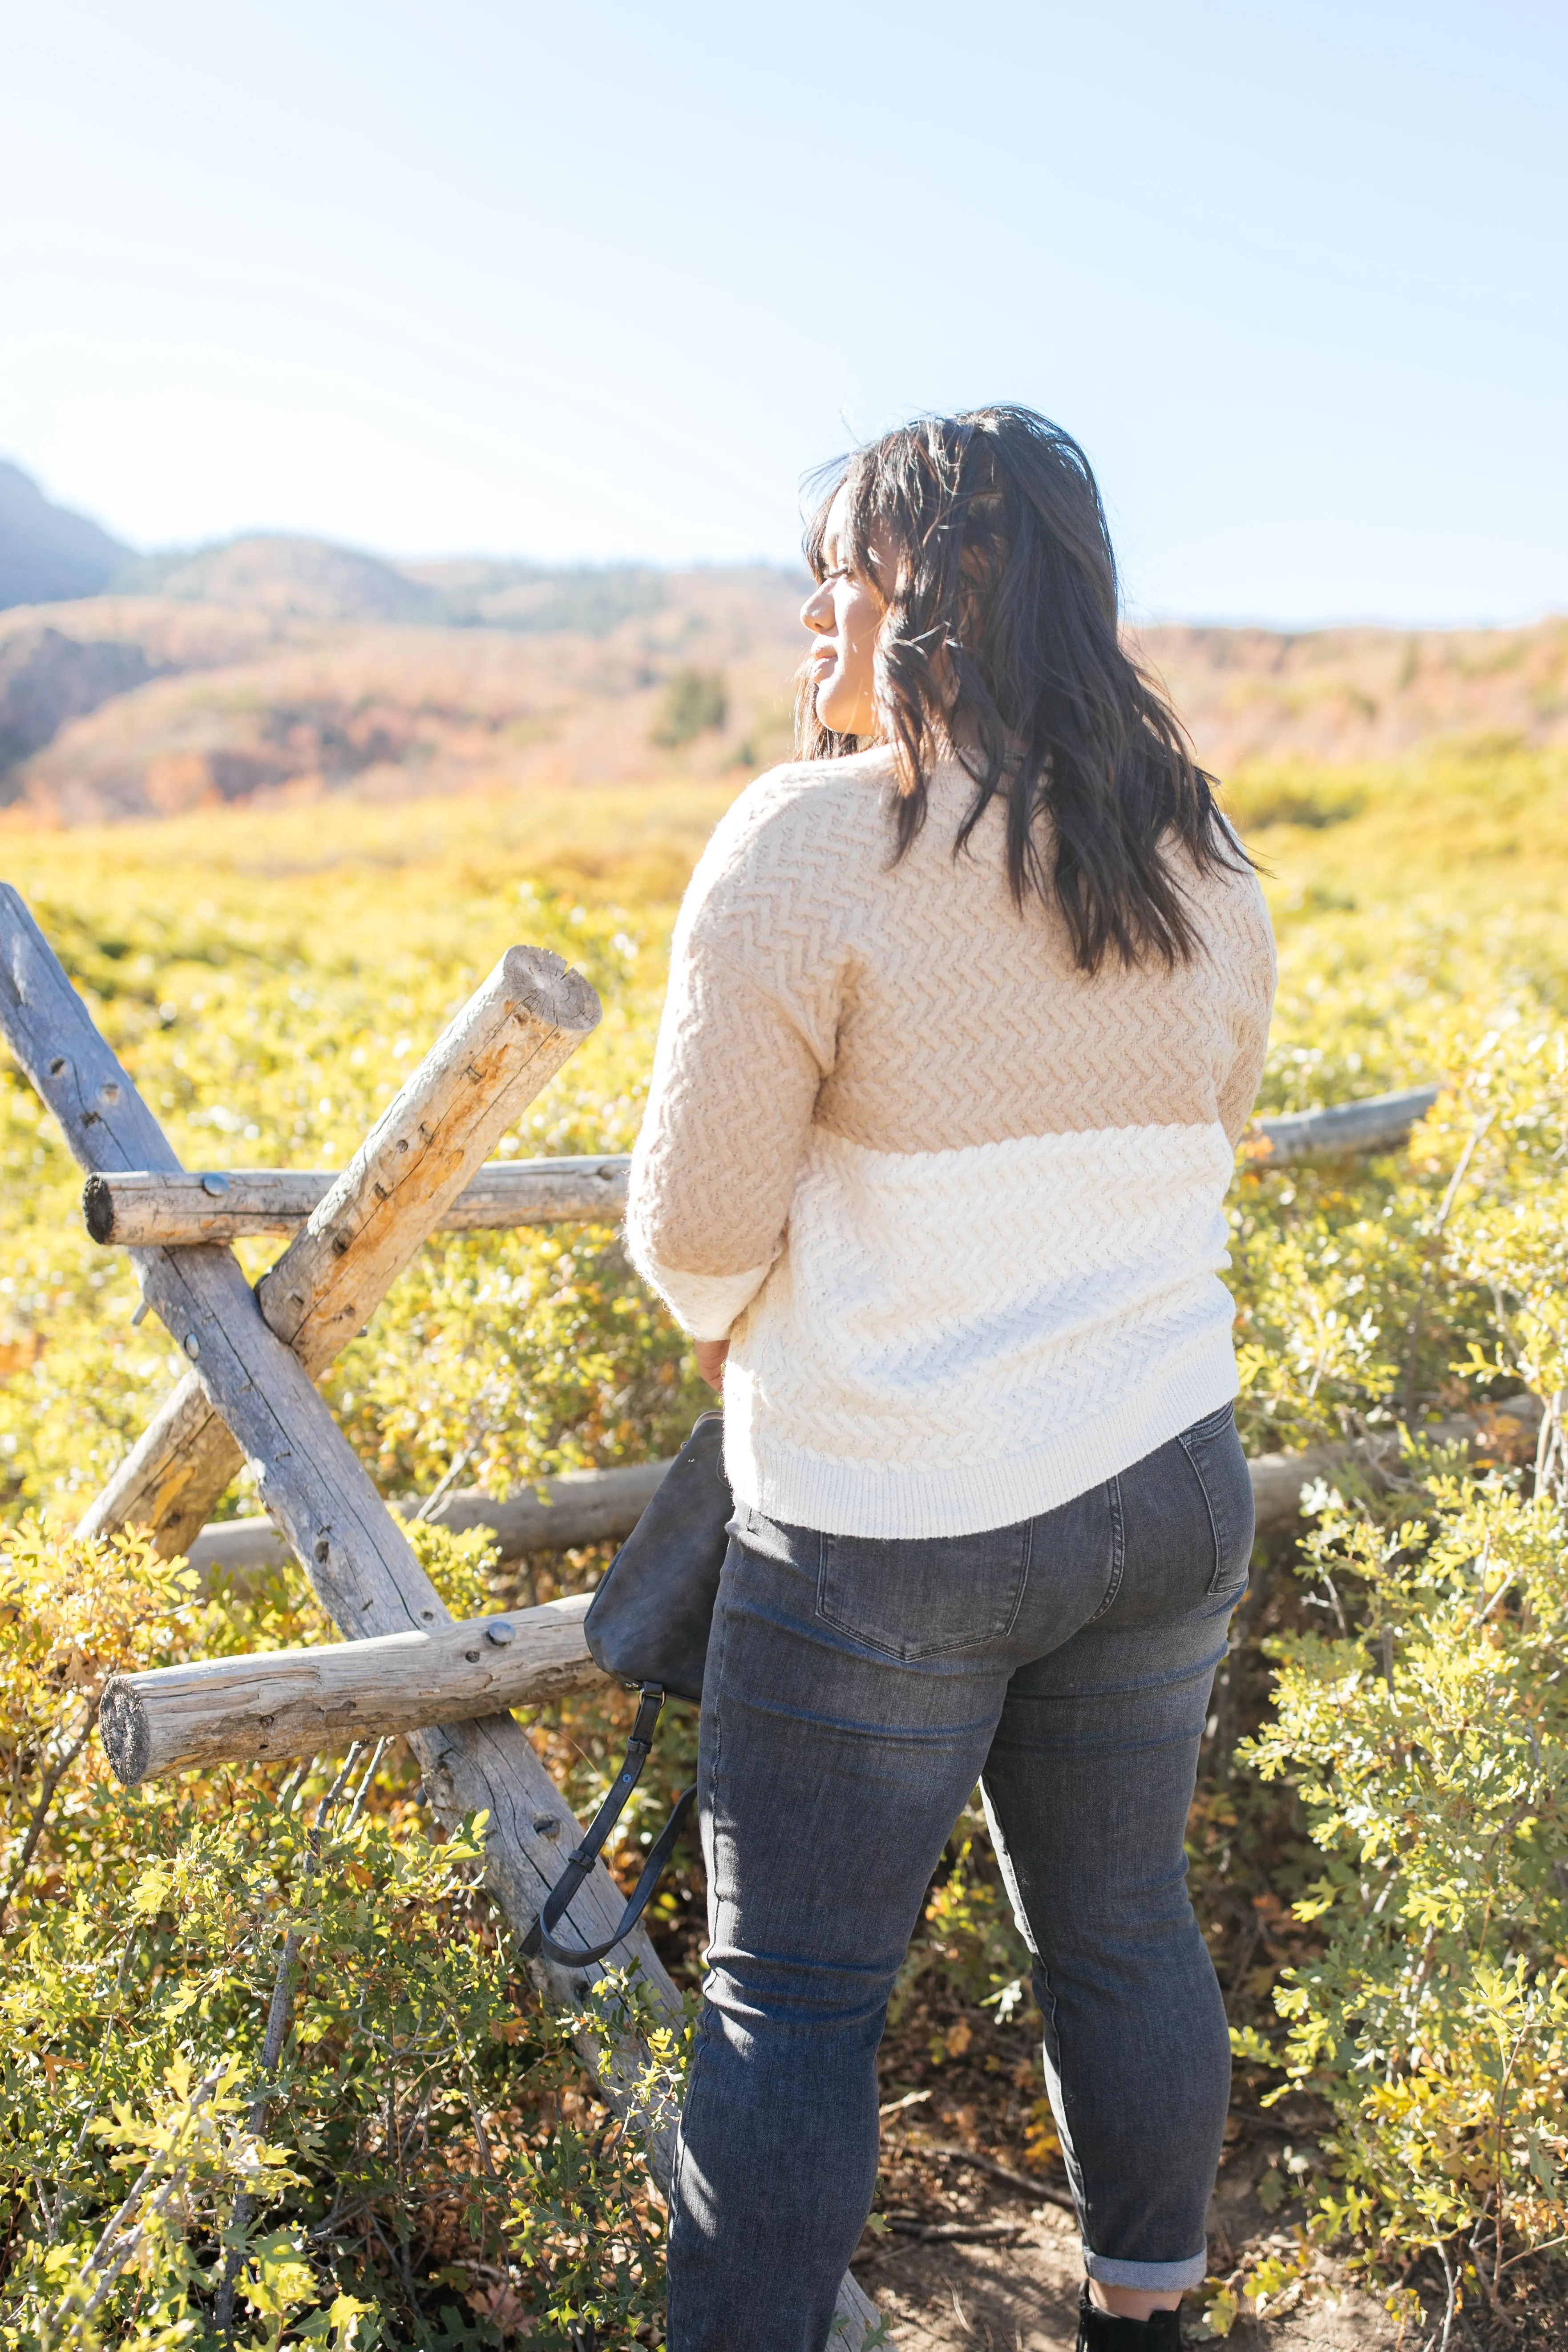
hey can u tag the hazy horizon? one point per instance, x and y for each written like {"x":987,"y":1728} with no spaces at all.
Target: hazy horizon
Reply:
{"x":1144,"y":618}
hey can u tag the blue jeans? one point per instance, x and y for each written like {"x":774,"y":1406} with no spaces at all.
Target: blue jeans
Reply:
{"x":855,"y":1691}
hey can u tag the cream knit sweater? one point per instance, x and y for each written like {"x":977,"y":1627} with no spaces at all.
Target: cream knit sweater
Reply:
{"x":957,"y":1205}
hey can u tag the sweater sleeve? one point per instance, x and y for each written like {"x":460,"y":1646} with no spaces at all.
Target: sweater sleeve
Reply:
{"x":1256,"y":976}
{"x":747,"y":1036}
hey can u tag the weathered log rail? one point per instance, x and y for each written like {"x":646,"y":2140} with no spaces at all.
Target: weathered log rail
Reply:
{"x":1376,"y":1123}
{"x":270,"y":1703}
{"x":144,"y":1208}
{"x":582,"y":1507}
{"x":252,"y":1394}
{"x":147,"y":1207}
{"x":565,"y":1512}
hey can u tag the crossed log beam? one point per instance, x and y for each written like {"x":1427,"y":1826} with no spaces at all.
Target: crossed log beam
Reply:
{"x":251,"y":1394}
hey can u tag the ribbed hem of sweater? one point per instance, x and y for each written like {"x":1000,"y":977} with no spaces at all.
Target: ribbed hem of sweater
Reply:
{"x":962,"y":1498}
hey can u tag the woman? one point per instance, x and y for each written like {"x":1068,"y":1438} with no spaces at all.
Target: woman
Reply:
{"x":967,"y":1013}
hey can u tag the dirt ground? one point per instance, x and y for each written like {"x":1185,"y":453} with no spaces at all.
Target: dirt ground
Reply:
{"x":1024,"y":2298}
{"x":1016,"y":2289}
{"x":1013,"y":2284}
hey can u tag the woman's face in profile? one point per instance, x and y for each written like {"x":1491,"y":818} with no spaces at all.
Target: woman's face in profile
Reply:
{"x":844,"y":612}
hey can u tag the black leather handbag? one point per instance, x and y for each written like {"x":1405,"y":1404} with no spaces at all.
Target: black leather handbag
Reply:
{"x":648,"y":1625}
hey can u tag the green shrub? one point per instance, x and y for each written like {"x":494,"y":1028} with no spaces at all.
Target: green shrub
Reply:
{"x":423,"y":2165}
{"x":1426,"y":1732}
{"x":693,"y":702}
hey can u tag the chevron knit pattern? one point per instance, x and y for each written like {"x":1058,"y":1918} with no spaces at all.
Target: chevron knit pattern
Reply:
{"x":958,"y":1206}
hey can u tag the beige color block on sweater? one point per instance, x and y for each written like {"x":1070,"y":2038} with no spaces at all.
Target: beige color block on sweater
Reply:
{"x":908,"y":1007}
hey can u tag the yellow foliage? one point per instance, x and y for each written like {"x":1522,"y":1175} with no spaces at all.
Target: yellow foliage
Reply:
{"x":269,"y":979}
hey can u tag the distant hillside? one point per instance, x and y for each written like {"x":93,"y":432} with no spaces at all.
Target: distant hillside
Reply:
{"x":307,"y":579}
{"x":47,"y":678}
{"x":1257,"y":695}
{"x":45,"y":551}
{"x":243,"y":702}
{"x":314,"y":579}
{"x":592,"y":599}
{"x":278,"y":667}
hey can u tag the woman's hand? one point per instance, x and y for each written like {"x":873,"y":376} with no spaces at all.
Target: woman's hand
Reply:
{"x":711,"y":1355}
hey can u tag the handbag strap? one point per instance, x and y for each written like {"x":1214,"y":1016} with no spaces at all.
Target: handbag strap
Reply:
{"x":539,"y":1938}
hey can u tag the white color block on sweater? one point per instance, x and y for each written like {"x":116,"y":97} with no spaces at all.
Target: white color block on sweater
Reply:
{"x":958,"y":1339}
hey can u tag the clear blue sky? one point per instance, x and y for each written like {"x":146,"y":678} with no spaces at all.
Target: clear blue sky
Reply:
{"x":605,"y":280}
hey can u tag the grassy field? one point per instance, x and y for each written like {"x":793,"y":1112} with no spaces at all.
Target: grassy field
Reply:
{"x":268,"y":977}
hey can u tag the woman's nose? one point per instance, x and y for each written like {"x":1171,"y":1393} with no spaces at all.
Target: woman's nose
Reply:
{"x":816,"y":613}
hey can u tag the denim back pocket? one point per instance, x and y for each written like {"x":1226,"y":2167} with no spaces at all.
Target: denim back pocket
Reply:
{"x":1214,"y":1449}
{"x":917,"y":1598}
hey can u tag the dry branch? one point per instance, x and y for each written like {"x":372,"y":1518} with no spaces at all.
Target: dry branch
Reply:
{"x":508,"y":1042}
{"x":146,"y":1207}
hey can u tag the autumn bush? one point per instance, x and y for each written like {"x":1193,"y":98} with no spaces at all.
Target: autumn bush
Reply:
{"x":425,"y":2163}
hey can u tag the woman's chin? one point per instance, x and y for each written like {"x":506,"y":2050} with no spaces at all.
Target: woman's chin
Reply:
{"x":834,"y":709}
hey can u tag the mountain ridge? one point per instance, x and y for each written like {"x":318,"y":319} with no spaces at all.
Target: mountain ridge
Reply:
{"x":49,"y":552}
{"x":275,"y":664}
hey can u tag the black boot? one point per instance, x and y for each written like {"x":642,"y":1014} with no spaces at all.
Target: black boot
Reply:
{"x":1103,"y":2331}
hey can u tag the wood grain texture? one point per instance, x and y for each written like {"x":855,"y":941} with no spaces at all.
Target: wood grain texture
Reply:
{"x":307,"y":1702}
{"x":173,"y":1475}
{"x":509,"y":1039}
{"x":147,"y":1211}
{"x":143,"y":1209}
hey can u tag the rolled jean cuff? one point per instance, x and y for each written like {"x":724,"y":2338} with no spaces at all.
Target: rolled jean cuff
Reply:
{"x":1151,"y":2277}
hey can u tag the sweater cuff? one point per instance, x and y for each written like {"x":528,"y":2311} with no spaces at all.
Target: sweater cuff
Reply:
{"x":704,"y":1305}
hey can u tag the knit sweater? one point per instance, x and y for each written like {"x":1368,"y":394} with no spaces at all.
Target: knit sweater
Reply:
{"x":957,"y":1205}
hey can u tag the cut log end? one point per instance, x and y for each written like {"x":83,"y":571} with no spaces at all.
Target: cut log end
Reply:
{"x":124,"y":1728}
{"x":98,"y":1208}
{"x":542,"y":983}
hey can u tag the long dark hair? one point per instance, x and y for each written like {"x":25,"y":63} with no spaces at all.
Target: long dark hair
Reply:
{"x":1000,"y":639}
